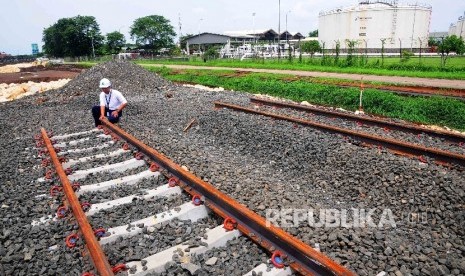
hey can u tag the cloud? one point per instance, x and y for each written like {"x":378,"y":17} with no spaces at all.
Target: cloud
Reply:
{"x":302,"y":9}
{"x":199,"y":10}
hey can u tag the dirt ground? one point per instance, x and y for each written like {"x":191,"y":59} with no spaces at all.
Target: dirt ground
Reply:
{"x":41,"y":74}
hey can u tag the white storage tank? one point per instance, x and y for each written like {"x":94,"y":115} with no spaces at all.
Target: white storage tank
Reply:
{"x":458,"y":29}
{"x":399,"y":25}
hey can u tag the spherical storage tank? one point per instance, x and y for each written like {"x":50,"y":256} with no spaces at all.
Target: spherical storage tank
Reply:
{"x":370,"y":22}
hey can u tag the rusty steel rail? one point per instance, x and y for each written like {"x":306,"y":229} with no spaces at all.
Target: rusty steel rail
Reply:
{"x":302,"y":258}
{"x":98,"y":257}
{"x":409,"y":149}
{"x":448,"y":135}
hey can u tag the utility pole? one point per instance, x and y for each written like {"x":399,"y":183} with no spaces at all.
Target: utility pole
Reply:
{"x":400,"y":48}
{"x":413,"y":27}
{"x":366,"y":50}
{"x":287,"y":39}
{"x":253,"y":26}
{"x":180,"y":29}
{"x":442,"y":52}
{"x":93,"y":49}
{"x":287,"y":30}
{"x":279,"y":30}
{"x":200,"y":20}
{"x":89,"y":30}
{"x":421,"y":44}
{"x":463,"y":22}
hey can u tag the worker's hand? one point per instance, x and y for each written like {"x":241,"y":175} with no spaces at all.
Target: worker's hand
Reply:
{"x":102,"y":117}
{"x":114,"y":114}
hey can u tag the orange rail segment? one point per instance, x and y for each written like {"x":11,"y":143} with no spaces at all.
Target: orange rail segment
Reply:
{"x":448,"y":135}
{"x":98,"y":257}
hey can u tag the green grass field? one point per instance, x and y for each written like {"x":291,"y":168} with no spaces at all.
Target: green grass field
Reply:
{"x":427,"y":110}
{"x":428,"y":68}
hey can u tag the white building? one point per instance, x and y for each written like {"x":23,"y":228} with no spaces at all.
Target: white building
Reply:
{"x":371,"y":22}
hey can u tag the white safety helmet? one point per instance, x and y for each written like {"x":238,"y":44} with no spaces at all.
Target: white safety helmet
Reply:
{"x":104,"y":83}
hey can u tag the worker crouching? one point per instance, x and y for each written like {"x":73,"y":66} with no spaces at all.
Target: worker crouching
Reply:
{"x":112,"y":103}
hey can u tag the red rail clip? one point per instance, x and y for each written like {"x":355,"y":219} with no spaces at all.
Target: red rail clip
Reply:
{"x":229,"y":224}
{"x":196,"y":200}
{"x":48,"y":174}
{"x":85,"y":206}
{"x":153,"y":166}
{"x":126,"y":146}
{"x":62,"y":211}
{"x":118,"y":268}
{"x":55,"y":190}
{"x":422,"y":159}
{"x":100,"y":232}
{"x":71,"y":240}
{"x":172,"y":182}
{"x":68,"y":171}
{"x":45,"y":162}
{"x":277,"y":259}
{"x":40,"y":144}
{"x":76,"y":186}
{"x":138,"y":155}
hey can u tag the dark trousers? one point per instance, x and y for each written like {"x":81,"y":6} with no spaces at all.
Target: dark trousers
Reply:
{"x":96,"y":115}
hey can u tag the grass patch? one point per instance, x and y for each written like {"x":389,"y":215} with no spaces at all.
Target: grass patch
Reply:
{"x":428,"y":68}
{"x":427,"y":110}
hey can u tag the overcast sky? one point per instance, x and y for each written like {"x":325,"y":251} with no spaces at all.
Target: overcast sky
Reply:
{"x":22,"y":21}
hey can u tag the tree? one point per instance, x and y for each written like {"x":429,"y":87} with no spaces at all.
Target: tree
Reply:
{"x":75,"y":36}
{"x":383,"y":41}
{"x":432,"y":41}
{"x":338,"y":50}
{"x":211,"y":53}
{"x":313,"y":33}
{"x":183,"y":40}
{"x":311,"y":47}
{"x":450,"y":44}
{"x":114,"y":42}
{"x":153,"y":32}
{"x":350,"y":51}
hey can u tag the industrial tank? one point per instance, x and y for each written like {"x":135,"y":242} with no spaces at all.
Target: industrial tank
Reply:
{"x":458,"y":29}
{"x":371,"y":22}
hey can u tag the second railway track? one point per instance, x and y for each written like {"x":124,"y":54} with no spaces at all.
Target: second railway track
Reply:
{"x":443,"y":147}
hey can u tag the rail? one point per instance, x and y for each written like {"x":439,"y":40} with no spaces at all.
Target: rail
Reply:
{"x":98,"y":257}
{"x":448,"y":135}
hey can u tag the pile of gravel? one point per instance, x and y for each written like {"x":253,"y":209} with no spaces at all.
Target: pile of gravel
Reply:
{"x":263,"y":163}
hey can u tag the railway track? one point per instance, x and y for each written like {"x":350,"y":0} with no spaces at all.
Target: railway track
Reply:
{"x":445,"y":148}
{"x":188,"y":201}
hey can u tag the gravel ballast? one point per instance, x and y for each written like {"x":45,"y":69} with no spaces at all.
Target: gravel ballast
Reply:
{"x":263,"y":163}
